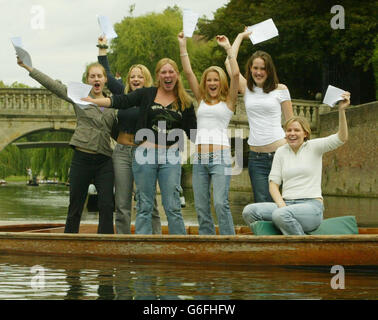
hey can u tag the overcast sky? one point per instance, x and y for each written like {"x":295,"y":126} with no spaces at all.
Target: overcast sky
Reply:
{"x":67,"y":40}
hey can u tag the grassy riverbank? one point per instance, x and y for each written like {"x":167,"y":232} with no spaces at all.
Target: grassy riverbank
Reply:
{"x":16,"y":179}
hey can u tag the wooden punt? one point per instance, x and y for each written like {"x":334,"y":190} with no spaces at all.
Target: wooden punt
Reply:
{"x":243,"y":248}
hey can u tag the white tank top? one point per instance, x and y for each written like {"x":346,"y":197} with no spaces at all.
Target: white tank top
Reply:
{"x":212,"y":123}
{"x":264,"y":115}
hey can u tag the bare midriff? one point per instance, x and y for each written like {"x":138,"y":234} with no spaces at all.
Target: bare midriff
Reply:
{"x":126,"y":139}
{"x":272,"y":147}
{"x":205,"y":148}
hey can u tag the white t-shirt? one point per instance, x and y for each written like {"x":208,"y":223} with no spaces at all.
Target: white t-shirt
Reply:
{"x":264,"y":115}
{"x":212,"y":123}
{"x":301,"y":173}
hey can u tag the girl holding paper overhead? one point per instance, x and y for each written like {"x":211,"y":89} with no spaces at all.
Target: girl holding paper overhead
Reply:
{"x":92,"y":159}
{"x":297,"y":165}
{"x":265,"y":99}
{"x":165,"y":112}
{"x":212,"y":161}
{"x":137,"y":77}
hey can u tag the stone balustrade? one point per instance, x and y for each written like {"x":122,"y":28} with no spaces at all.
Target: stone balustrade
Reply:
{"x":32,"y":101}
{"x":41,"y":101}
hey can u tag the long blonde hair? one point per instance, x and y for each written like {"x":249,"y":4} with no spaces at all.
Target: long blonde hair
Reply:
{"x":146,"y":74}
{"x":184,"y":99}
{"x":223,"y":92}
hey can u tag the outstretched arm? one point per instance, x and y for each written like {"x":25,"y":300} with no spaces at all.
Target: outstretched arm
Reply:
{"x":234,"y":72}
{"x":50,"y":84}
{"x":343,"y":126}
{"x":120,"y":101}
{"x":187,"y":67}
{"x":115,"y":86}
{"x":235,"y":48}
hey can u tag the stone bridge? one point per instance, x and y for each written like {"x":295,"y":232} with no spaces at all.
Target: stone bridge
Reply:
{"x":24,"y":111}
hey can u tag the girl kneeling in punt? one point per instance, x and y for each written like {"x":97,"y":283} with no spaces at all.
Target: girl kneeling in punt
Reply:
{"x":298,"y":166}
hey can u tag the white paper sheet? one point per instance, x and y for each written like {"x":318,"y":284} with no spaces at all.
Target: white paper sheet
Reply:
{"x":21,"y":52}
{"x":263,"y":31}
{"x":106,"y":27}
{"x":333,"y":95}
{"x":190,"y":20}
{"x":78,"y":90}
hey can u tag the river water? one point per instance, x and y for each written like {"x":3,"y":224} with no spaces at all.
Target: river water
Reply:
{"x":88,"y":279}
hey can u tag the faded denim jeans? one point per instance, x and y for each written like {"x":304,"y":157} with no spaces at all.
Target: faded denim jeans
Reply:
{"x":162,"y":165}
{"x":297,"y":218}
{"x":123,"y":156}
{"x":213,"y":168}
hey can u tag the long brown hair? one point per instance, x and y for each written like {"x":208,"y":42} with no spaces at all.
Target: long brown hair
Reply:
{"x":271,"y":81}
{"x":184,"y":99}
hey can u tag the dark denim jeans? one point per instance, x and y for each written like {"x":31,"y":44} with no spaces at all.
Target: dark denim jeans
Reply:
{"x":259,"y":166}
{"x":89,"y":168}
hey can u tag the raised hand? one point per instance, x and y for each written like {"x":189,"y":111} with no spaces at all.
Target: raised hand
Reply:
{"x":223,"y":41}
{"x":346,"y":102}
{"x":181,"y":39}
{"x":21,"y":64}
{"x":245,"y":34}
{"x":102,"y":40}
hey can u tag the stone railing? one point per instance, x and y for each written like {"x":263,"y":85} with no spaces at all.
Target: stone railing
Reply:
{"x":32,"y":101}
{"x":41,"y":101}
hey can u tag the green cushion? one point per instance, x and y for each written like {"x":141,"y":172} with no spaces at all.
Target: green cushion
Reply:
{"x":264,"y":228}
{"x":331,"y":226}
{"x":338,"y":225}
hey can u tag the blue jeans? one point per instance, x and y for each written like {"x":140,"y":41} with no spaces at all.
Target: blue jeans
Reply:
{"x":162,"y":165}
{"x":213,"y":167}
{"x":298,"y":217}
{"x":259,"y":166}
{"x":123,"y":156}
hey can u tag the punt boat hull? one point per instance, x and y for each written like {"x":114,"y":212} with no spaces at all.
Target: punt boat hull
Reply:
{"x":243,"y":248}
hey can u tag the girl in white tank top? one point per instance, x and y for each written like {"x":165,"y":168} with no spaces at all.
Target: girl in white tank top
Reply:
{"x":212,"y":161}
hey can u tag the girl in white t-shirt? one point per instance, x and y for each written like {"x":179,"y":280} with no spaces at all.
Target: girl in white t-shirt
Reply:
{"x":212,"y":160}
{"x":297,"y":166}
{"x":265,"y":100}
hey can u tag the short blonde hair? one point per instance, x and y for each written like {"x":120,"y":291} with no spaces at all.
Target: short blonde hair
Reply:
{"x":146,"y":74}
{"x":304,"y":124}
{"x":184,"y":99}
{"x":223,"y":92}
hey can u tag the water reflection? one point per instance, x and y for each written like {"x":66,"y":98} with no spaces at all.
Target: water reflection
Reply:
{"x":91,"y":279}
{"x":49,"y":203}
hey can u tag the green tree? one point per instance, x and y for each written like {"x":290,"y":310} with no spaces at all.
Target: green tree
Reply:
{"x":308,"y":53}
{"x":145,"y":40}
{"x":148,"y":38}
